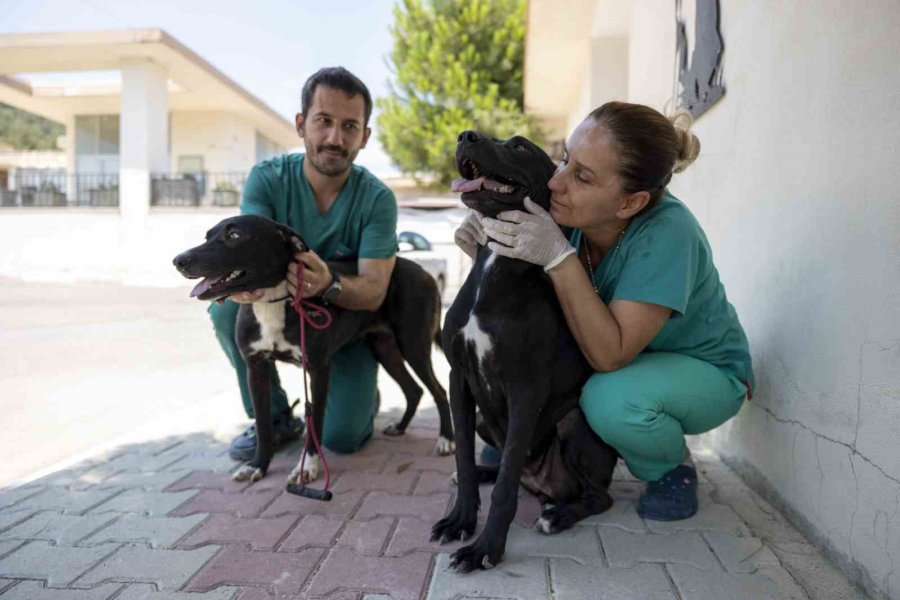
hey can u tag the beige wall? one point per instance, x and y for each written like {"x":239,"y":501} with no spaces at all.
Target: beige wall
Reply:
{"x":796,"y":190}
{"x":227,"y":142}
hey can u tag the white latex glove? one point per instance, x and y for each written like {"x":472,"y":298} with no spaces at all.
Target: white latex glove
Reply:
{"x":531,"y":236}
{"x":470,"y":234}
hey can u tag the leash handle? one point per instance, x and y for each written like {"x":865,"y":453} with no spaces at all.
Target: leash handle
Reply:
{"x":299,"y":305}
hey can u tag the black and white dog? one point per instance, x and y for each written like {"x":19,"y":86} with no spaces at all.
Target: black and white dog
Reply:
{"x":513,"y":357}
{"x":251,"y":252}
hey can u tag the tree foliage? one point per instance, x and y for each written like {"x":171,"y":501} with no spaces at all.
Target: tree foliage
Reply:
{"x":458,"y":64}
{"x":25,"y":131}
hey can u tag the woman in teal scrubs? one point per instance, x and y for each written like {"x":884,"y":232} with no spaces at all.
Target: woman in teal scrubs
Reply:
{"x":634,"y":275}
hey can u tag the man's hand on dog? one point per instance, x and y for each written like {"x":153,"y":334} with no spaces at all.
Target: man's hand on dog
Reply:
{"x":316,"y":276}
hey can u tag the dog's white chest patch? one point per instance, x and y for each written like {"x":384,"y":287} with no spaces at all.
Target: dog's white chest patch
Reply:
{"x":270,"y":316}
{"x":472,"y":331}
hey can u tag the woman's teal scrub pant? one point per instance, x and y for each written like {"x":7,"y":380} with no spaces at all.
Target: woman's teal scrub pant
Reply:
{"x":645,"y":409}
{"x":352,"y":393}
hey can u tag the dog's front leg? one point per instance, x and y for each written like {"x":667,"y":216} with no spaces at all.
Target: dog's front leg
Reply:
{"x":460,"y":523}
{"x":487,"y":551}
{"x":308,"y":471}
{"x":259,"y":371}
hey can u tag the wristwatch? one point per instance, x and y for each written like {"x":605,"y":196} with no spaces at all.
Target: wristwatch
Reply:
{"x":334,"y":290}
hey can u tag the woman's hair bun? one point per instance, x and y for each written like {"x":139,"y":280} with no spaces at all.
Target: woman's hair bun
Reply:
{"x":688,"y":143}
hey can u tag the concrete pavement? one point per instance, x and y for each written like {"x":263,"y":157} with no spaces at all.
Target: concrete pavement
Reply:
{"x":141,"y":505}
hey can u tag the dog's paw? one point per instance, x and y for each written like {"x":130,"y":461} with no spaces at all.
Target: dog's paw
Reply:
{"x":476,"y":556}
{"x":452,"y":528}
{"x":309,"y":474}
{"x":445,"y":447}
{"x":555,"y":519}
{"x":393,"y":430}
{"x":247,"y":473}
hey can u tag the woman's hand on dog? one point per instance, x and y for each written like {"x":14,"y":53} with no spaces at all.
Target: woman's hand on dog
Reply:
{"x":470,"y":234}
{"x":316,"y":275}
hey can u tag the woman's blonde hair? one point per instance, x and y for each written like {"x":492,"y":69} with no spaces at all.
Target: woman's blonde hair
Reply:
{"x":650,"y":147}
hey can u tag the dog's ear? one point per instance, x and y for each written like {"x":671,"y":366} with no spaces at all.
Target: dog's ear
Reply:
{"x":292,"y":238}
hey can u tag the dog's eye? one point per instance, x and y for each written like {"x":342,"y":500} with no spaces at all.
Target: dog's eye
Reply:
{"x":233,"y":235}
{"x":522,"y":148}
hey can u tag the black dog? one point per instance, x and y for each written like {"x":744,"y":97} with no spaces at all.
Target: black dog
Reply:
{"x":513,"y":356}
{"x":251,"y":252}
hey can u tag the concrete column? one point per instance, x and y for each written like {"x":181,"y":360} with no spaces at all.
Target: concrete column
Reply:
{"x":71,"y":188}
{"x":144,"y":134}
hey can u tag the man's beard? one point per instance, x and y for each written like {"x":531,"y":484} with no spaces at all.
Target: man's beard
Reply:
{"x":331,"y":166}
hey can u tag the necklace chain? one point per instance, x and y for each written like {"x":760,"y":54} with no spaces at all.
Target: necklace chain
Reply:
{"x":587,"y":255}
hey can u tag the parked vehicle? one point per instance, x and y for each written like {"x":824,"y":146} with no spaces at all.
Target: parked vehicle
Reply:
{"x":416,"y":247}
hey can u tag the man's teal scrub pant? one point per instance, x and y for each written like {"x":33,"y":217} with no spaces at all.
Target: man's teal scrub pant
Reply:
{"x":645,"y":409}
{"x":352,"y":394}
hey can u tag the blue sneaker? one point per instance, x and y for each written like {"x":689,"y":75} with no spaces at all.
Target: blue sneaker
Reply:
{"x":672,"y":498}
{"x":490,"y":456}
{"x":285,"y":428}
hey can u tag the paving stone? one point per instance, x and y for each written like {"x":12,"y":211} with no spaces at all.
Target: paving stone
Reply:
{"x":393,"y":483}
{"x":710,"y":517}
{"x":205,"y":462}
{"x":626,"y":549}
{"x":10,"y":519}
{"x":402,"y":463}
{"x":432,"y":483}
{"x":741,"y":554}
{"x":168,"y":569}
{"x":414,"y":535}
{"x":143,"y":591}
{"x":284,"y":572}
{"x":258,"y":534}
{"x":528,"y":510}
{"x":340,"y":507}
{"x":764,"y":520}
{"x":67,"y":501}
{"x":401,"y":578}
{"x":74,"y":478}
{"x":206,"y":480}
{"x":312,"y":531}
{"x":579,"y":544}
{"x":420,"y":446}
{"x":140,"y":479}
{"x":59,"y":565}
{"x":425,"y":508}
{"x":134,"y":461}
{"x":366,"y":537}
{"x":509,"y":580}
{"x":214,"y":501}
{"x":626,"y":491}
{"x":12,"y":496}
{"x":768,"y":583}
{"x":159,"y":532}
{"x":350,"y":463}
{"x":622,"y":473}
{"x":62,"y":530}
{"x":35,"y":590}
{"x":147,"y":503}
{"x":7,"y":546}
{"x":622,"y":514}
{"x":571,"y":581}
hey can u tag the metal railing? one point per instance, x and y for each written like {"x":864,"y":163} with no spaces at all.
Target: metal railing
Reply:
{"x":203,"y":188}
{"x":56,"y":187}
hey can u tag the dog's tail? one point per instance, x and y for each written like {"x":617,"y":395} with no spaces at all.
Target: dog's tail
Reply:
{"x":437,"y":339}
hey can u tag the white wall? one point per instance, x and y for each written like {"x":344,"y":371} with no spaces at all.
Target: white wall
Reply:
{"x":796,"y":188}
{"x":227,"y":141}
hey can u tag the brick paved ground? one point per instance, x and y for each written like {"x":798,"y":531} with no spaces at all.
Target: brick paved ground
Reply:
{"x":163,"y":521}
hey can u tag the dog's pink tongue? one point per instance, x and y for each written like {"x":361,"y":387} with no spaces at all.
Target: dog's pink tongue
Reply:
{"x":466,"y":185}
{"x":204,"y":285}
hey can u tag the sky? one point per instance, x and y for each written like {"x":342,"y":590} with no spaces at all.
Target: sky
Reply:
{"x":268,"y":47}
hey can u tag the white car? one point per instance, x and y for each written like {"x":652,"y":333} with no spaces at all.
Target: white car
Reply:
{"x":416,"y":247}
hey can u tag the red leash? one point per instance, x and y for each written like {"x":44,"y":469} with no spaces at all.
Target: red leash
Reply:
{"x":307,"y":311}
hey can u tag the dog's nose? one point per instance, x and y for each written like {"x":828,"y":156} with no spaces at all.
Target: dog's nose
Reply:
{"x":469,"y":136}
{"x":181,"y":262}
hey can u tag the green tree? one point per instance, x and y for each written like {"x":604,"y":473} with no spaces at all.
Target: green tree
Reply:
{"x":457,"y":64}
{"x":25,"y":131}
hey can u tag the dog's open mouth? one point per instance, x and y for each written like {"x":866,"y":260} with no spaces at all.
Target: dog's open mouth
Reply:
{"x":474,"y":180}
{"x":215,"y":282}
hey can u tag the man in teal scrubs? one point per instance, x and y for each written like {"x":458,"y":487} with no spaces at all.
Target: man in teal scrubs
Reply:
{"x":343,"y":212}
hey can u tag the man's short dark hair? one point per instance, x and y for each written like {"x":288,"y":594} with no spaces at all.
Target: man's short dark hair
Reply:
{"x":338,"y":78}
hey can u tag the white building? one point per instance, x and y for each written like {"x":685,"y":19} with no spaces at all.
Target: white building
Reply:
{"x":795,"y":189}
{"x":140,"y":106}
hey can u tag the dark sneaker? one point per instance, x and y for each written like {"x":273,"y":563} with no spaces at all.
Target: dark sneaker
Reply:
{"x":285,"y":428}
{"x":490,"y":456}
{"x":672,"y":498}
